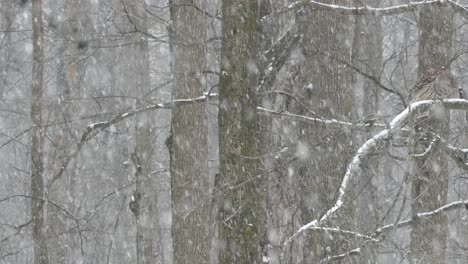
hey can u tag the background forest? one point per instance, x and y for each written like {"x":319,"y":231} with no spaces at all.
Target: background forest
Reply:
{"x":235,"y":131}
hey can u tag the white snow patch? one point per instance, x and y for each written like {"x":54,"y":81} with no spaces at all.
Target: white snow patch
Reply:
{"x":302,"y":151}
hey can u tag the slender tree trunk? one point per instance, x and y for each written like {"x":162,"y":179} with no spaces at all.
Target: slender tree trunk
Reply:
{"x":430,"y":171}
{"x":144,"y":198}
{"x":37,"y":147}
{"x":367,"y":55}
{"x":280,"y":193}
{"x":191,"y":185}
{"x":266,"y":141}
{"x":76,"y":29}
{"x":240,"y":214}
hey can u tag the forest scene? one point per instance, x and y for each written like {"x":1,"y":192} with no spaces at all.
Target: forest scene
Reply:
{"x":233,"y":131}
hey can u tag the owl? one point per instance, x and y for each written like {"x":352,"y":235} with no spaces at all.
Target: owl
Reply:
{"x":436,"y":83}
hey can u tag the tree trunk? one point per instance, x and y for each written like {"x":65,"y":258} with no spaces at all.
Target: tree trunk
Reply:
{"x":76,"y":29}
{"x":240,"y":214}
{"x":430,"y":171}
{"x":37,"y":134}
{"x":323,"y":152}
{"x":143,"y":198}
{"x":191,"y":185}
{"x":367,"y":56}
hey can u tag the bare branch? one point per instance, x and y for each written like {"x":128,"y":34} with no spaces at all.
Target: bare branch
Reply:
{"x":373,"y":78}
{"x":274,"y":58}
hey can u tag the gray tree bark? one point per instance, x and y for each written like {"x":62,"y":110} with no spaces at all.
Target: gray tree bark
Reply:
{"x":430,"y":171}
{"x":367,"y":56}
{"x":143,"y":198}
{"x":37,"y":138}
{"x":75,"y":28}
{"x":238,"y":185}
{"x":191,"y":184}
{"x":323,"y":152}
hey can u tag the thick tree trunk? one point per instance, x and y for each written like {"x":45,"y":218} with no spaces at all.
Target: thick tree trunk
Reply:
{"x":430,"y":171}
{"x":37,"y":134}
{"x":191,"y":184}
{"x":240,"y":214}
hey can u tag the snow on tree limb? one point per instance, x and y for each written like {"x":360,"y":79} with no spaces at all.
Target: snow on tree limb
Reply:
{"x":442,"y":209}
{"x":404,"y":223}
{"x":354,"y":167}
{"x":354,"y":252}
{"x":342,"y":231}
{"x":374,"y":11}
{"x":365,"y":124}
{"x":93,"y":129}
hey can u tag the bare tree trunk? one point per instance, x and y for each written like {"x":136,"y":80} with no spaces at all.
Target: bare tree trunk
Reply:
{"x":191,"y":184}
{"x":280,"y":194}
{"x":367,"y":56}
{"x":323,"y":152}
{"x":76,"y":29}
{"x":430,"y":171}
{"x":37,"y":134}
{"x":241,"y":215}
{"x":143,"y":198}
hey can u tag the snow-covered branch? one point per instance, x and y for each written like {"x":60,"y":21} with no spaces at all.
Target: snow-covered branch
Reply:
{"x":369,"y":147}
{"x":314,"y":120}
{"x":353,"y":252}
{"x":342,"y":231}
{"x":93,"y":129}
{"x":373,"y":11}
{"x":408,"y":222}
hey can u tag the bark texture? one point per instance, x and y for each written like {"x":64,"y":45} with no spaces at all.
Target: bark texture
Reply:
{"x":76,"y":27}
{"x":240,"y":213}
{"x":323,"y":152}
{"x":191,"y":185}
{"x":367,"y":56}
{"x":37,"y":138}
{"x":430,"y":163}
{"x":144,"y":197}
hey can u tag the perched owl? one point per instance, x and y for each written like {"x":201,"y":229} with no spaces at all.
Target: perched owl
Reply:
{"x":436,"y":83}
